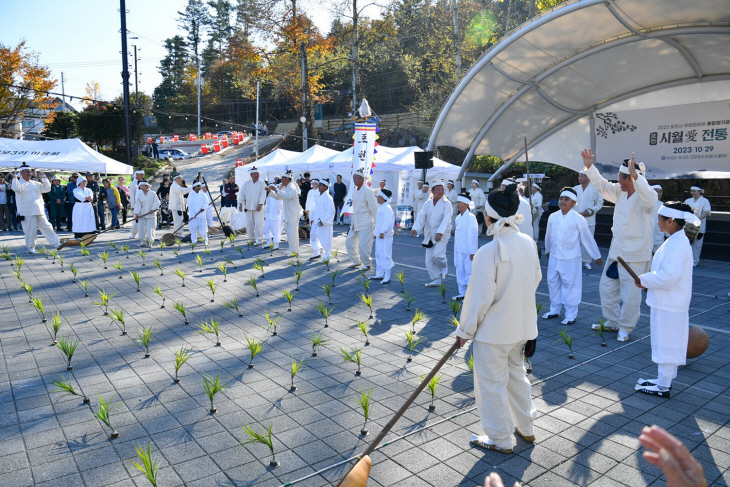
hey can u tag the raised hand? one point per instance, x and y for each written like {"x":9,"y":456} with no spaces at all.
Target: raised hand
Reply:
{"x":587,"y":155}
{"x":670,"y":454}
{"x":632,"y":168}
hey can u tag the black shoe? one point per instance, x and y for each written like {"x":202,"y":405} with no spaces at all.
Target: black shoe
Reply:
{"x":653,"y":390}
{"x":374,"y":278}
{"x":549,"y":317}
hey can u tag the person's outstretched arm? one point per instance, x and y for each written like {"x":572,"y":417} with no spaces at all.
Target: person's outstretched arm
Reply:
{"x":668,"y":453}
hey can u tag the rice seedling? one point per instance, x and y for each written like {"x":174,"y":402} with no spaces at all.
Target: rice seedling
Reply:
{"x":413,"y":342}
{"x":249,"y":243}
{"x":432,"y":385}
{"x":334,"y":276}
{"x":60,"y":262}
{"x":295,"y":263}
{"x":442,"y":291}
{"x":136,"y":276}
{"x":254,"y":346}
{"x":181,"y":309}
{"x":289,"y":297}
{"x":118,"y":266}
{"x":400,"y":277}
{"x":17,"y":275}
{"x":192,"y":246}
{"x":409,"y":300}
{"x":334,"y":254}
{"x":233,"y":304}
{"x":18,"y":261}
{"x":271,"y":249}
{"x":600,"y":331}
{"x":104,"y":412}
{"x":239,"y":249}
{"x":470,"y":363}
{"x":208,"y":253}
{"x":229,"y":261}
{"x":297,"y":277}
{"x":538,"y":307}
{"x":114,"y":246}
{"x":222,"y":244}
{"x":29,"y":290}
{"x":454,"y":321}
{"x":104,"y":299}
{"x":212,"y":386}
{"x":161,"y":247}
{"x":104,"y":256}
{"x":264,"y":438}
{"x":65,"y":387}
{"x":181,"y":275}
{"x":84,"y":252}
{"x":252,"y":283}
{"x":85,"y":285}
{"x":148,"y":467}
{"x":74,"y":271}
{"x":38,"y":305}
{"x":199,"y":261}
{"x":125,"y":249}
{"x":224,"y":270}
{"x":366,"y":284}
{"x":68,"y":348}
{"x":213,"y":288}
{"x":53,"y":253}
{"x":118,"y":317}
{"x":158,"y":264}
{"x":272,"y":323}
{"x":326,"y":261}
{"x":182,"y":355}
{"x":55,"y":326}
{"x":158,"y":290}
{"x":212,"y":327}
{"x":568,"y":340}
{"x":353,"y":357}
{"x":178,"y":242}
{"x":177,"y":254}
{"x":232,"y":238}
{"x":368,"y":300}
{"x":317,"y":342}
{"x":325,"y":312}
{"x":364,"y":399}
{"x":417,"y":317}
{"x":147,"y":243}
{"x":295,"y":368}
{"x":363,"y":327}
{"x":455,"y":306}
{"x":327,"y":289}
{"x":259,"y":266}
{"x":144,"y":338}
{"x":6,"y":254}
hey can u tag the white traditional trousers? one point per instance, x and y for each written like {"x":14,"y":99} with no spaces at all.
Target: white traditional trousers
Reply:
{"x":667,"y":373}
{"x":697,"y":249}
{"x":198,"y":227}
{"x":565,"y":282}
{"x":314,"y":242}
{"x":669,"y":336}
{"x":436,"y":262}
{"x":383,"y":257}
{"x":272,"y":230}
{"x":292,"y":235}
{"x":503,"y":392}
{"x":585,"y":256}
{"x":146,"y":230}
{"x":134,"y":230}
{"x":536,"y":226}
{"x":622,"y":290}
{"x":32,"y":224}
{"x":359,"y":244}
{"x":463,"y":262}
{"x":255,"y":225}
{"x":321,"y":237}
{"x":178,"y":221}
{"x":209,"y":216}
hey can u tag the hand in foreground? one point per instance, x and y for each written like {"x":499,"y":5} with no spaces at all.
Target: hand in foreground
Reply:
{"x":462,"y":342}
{"x":494,"y":480}
{"x":587,"y":155}
{"x":413,"y":233}
{"x":599,"y":262}
{"x":669,"y":454}
{"x":438,"y":237}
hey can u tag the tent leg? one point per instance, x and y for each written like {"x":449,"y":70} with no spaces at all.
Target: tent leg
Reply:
{"x":592,"y":122}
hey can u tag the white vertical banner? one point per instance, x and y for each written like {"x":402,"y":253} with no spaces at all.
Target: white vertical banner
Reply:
{"x":403,"y":200}
{"x":362,"y":161}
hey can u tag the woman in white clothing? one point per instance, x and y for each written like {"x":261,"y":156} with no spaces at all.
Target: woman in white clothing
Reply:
{"x":701,"y":208}
{"x":669,"y":290}
{"x":83,"y":213}
{"x":145,"y":201}
{"x":383,"y":235}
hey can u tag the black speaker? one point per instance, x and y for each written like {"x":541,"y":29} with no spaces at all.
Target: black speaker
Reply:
{"x":424,"y":160}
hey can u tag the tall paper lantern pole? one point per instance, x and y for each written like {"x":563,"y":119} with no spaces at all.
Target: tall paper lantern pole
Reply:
{"x":363,"y":151}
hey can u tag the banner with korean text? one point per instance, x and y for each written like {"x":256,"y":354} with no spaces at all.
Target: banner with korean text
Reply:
{"x":403,"y":201}
{"x":362,"y":162}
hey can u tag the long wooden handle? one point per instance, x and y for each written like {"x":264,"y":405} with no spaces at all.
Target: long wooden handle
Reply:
{"x":198,"y":213}
{"x":214,"y":207}
{"x":406,"y":405}
{"x":629,"y":270}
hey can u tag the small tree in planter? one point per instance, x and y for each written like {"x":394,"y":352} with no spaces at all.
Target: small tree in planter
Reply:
{"x":334,"y":276}
{"x":158,"y":290}
{"x":181,"y":275}
{"x":104,"y":299}
{"x":212,"y":387}
{"x":233,"y":304}
{"x":417,"y":317}
{"x":229,"y":262}
{"x":144,"y":338}
{"x":212,"y":327}
{"x":325,"y":312}
{"x":327,"y":289}
{"x":224,"y":270}
{"x":143,"y":254}
{"x":136,"y":276}
{"x":455,"y":307}
{"x":65,"y":387}
{"x":413,"y":342}
{"x":600,"y":331}
{"x":118,"y":266}
{"x":289,"y":297}
{"x":432,"y":385}
{"x":353,"y":357}
{"x":442,"y":291}
{"x":29,"y":290}
{"x":364,"y":400}
{"x":125,"y":249}
{"x":38,"y":305}
{"x":213,"y":288}
{"x":74,"y":271}
{"x":199,"y":261}
{"x":252,"y":283}
{"x":409,"y":300}
{"x":68,"y":348}
{"x":265,"y":438}
{"x":254,"y":346}
{"x":182,"y":355}
{"x":368,"y":300}
{"x":85,"y":285}
{"x":118,"y":317}
{"x":181,"y":308}
{"x":363,"y":327}
{"x":158,"y":264}
{"x":317,"y":342}
{"x":148,"y":467}
{"x":295,"y":368}
{"x":568,"y":340}
{"x":105,"y":409}
{"x":55,"y":326}
{"x":259,"y":266}
{"x":297,"y":277}
{"x":272,"y":323}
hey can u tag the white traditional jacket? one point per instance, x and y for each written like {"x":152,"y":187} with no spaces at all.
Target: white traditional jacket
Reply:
{"x":133,"y":187}
{"x":82,"y":194}
{"x":524,"y":210}
{"x":177,"y":197}
{"x":633,"y":218}
{"x":466,"y":233}
{"x":28,"y":195}
{"x":324,"y":208}
{"x":364,"y":209}
{"x":289,"y":196}
{"x":588,"y":199}
{"x":273,"y":208}
{"x":537,"y":204}
{"x":252,"y":194}
{"x":478,"y":197}
{"x":196,"y":202}
{"x":658,"y":234}
{"x":669,"y":282}
{"x":144,"y":203}
{"x":384,"y":221}
{"x":419,"y":198}
{"x":564,"y":235}
{"x":433,"y":219}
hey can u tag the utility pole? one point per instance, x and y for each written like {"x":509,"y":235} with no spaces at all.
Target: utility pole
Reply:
{"x":354,"y":56}
{"x":63,"y":92}
{"x":457,"y":44}
{"x":125,"y":82}
{"x":303,"y":119}
{"x":198,"y":81}
{"x":136,"y":84}
{"x":256,"y":144}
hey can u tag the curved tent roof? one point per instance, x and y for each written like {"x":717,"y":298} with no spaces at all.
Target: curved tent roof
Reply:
{"x":59,"y":155}
{"x":550,"y":75}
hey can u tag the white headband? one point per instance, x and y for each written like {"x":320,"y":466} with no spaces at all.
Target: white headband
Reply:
{"x":679,"y":215}
{"x":425,"y":184}
{"x":385,"y":198}
{"x":697,"y":188}
{"x":569,"y":194}
{"x":143,"y":183}
{"x":196,"y":183}
{"x":639,"y":165}
{"x":138,"y":172}
{"x":437,"y":183}
{"x":534,"y":185}
{"x":656,"y":186}
{"x":463,"y":199}
{"x":474,"y":181}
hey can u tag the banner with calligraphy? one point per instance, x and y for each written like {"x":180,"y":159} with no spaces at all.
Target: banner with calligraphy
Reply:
{"x":403,"y":201}
{"x":682,"y":141}
{"x":362,"y":161}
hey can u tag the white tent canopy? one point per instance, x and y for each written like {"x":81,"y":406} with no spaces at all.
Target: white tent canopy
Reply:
{"x":556,"y":78}
{"x":58,"y":155}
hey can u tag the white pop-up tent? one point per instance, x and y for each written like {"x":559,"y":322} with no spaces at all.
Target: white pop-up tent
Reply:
{"x":282,"y":160}
{"x":58,"y":155}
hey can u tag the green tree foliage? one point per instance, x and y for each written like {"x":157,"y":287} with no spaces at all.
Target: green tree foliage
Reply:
{"x":63,"y":126}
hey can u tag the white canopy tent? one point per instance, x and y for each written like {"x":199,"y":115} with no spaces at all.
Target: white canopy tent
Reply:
{"x":601,"y":74}
{"x":299,"y":162}
{"x":58,"y":155}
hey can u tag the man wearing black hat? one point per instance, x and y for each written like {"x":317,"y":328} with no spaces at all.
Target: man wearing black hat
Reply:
{"x":32,"y":214}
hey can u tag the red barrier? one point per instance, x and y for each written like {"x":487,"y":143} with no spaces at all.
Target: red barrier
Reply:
{"x":217,"y":146}
{"x":149,"y":140}
{"x":162,"y":140}
{"x":176,"y":138}
{"x":204,"y":149}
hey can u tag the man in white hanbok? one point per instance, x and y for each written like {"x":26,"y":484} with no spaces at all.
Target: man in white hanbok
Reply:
{"x":589,"y":203}
{"x":383,"y":235}
{"x":321,"y":218}
{"x":198,"y":223}
{"x":133,"y":187}
{"x":537,"y":210}
{"x":420,"y":195}
{"x":288,"y":194}
{"x":478,"y":197}
{"x":251,"y":199}
{"x":359,"y":241}
{"x":145,"y":201}
{"x":451,"y":195}
{"x":566,"y":231}
{"x":701,"y":208}
{"x":659,"y":236}
{"x":312,"y":196}
{"x":177,"y":203}
{"x":29,"y":201}
{"x":434,"y":223}
{"x":466,"y":243}
{"x":526,"y":225}
{"x":272,"y":220}
{"x":633,"y":222}
{"x":669,"y":291}
{"x":83,"y":212}
{"x":209,"y":208}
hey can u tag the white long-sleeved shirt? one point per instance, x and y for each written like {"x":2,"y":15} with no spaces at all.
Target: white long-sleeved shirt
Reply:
{"x":273,"y":208}
{"x":289,"y":197}
{"x":384,"y":221}
{"x":658,"y":234}
{"x":177,"y":197}
{"x":144,"y":203}
{"x":466,"y":233}
{"x":28,"y":195}
{"x":478,"y":197}
{"x":133,"y":187}
{"x":311,"y":200}
{"x":537,"y":204}
{"x":699,"y":207}
{"x":364,"y":209}
{"x":324,"y":208}
{"x":433,"y":219}
{"x":252,"y":195}
{"x":633,"y":219}
{"x":524,"y":210}
{"x":588,"y":199}
{"x":196,"y":202}
{"x":669,"y":282}
{"x":564,"y":235}
{"x":419,"y":198}
{"x":82,"y":194}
